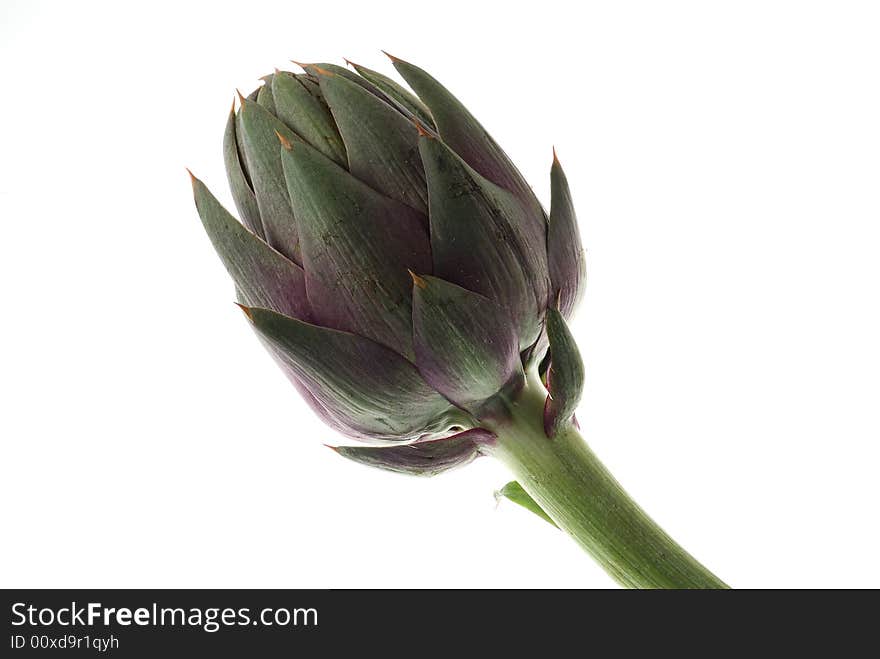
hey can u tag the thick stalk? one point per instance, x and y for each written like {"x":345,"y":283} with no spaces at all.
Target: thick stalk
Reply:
{"x":580,"y":495}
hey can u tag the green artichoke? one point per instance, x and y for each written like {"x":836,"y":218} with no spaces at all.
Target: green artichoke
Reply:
{"x":402,"y":273}
{"x":392,"y":258}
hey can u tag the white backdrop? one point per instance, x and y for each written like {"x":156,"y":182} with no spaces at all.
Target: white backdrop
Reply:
{"x":724,"y":158}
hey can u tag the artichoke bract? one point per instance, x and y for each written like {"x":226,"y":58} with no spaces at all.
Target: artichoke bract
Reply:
{"x":402,"y":273}
{"x":391,"y":257}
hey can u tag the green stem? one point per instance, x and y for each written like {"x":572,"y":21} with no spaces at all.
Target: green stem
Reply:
{"x":567,"y":480}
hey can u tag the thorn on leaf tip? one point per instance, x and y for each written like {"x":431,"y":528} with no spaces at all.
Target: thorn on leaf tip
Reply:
{"x":246,"y":310}
{"x":284,"y":141}
{"x":418,"y":281}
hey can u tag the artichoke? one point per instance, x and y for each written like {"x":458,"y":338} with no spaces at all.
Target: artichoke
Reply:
{"x":402,"y":273}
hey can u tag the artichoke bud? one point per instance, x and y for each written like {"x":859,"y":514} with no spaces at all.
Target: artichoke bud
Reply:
{"x":392,"y":259}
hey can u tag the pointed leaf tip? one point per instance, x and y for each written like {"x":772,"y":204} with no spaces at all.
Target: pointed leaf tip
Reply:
{"x":565,"y":254}
{"x":245,"y":310}
{"x":284,"y":141}
{"x":192,"y":177}
{"x":393,"y":93}
{"x":391,"y":57}
{"x":417,"y":281}
{"x":263,"y":277}
{"x":317,"y":69}
{"x":555,"y":157}
{"x":241,"y":98}
{"x":421,"y":130}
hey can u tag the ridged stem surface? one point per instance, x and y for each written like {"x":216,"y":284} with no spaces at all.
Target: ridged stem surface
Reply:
{"x":581,"y":496}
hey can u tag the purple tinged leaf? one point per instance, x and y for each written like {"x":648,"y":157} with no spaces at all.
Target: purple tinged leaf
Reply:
{"x":463,"y":133}
{"x":565,"y":254}
{"x":465,"y":345}
{"x":307,"y":115}
{"x":242,"y":193}
{"x":262,"y":276}
{"x":367,"y":390}
{"x":422,"y":458}
{"x":259,"y":136}
{"x":356,"y":247}
{"x":565,"y":377}
{"x":404,"y":98}
{"x":478,"y":240}
{"x":326,"y":70}
{"x":382,"y":145}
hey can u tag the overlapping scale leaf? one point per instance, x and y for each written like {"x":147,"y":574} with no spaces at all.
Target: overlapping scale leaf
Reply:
{"x":356,"y":246}
{"x":565,"y":378}
{"x":477,"y":240}
{"x":427,"y":458}
{"x":242,"y":193}
{"x":258,"y":132}
{"x":317,"y":69}
{"x":404,"y":98}
{"x":382,"y":145}
{"x":465,"y":345}
{"x":368,"y":388}
{"x":564,"y":251}
{"x":264,"y":94}
{"x":305,"y":114}
{"x":467,"y":137}
{"x":262,"y":276}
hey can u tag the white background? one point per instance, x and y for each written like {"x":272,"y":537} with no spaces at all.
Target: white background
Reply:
{"x":725,"y":162}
